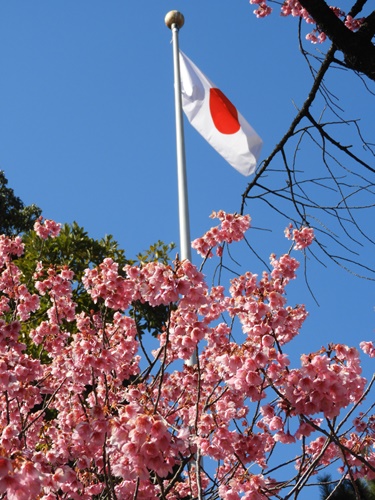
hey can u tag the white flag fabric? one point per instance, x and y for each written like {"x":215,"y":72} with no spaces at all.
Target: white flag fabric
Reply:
{"x":217,"y":119}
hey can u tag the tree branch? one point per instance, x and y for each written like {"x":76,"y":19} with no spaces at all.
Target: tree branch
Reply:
{"x":357,"y":48}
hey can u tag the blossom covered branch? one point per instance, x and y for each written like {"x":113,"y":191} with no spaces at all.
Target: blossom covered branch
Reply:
{"x":350,"y":34}
{"x":83,"y":414}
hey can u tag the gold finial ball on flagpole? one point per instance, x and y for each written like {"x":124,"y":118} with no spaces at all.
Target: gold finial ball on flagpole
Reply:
{"x":174,"y":17}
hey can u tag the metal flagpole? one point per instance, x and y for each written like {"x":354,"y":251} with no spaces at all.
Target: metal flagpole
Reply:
{"x":175,"y":20}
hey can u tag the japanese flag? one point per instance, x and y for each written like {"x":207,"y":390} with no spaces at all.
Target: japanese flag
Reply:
{"x":217,"y":119}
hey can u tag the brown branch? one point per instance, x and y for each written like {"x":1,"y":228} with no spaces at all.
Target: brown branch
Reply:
{"x":339,"y":146}
{"x":301,"y":114}
{"x":368,"y":27}
{"x":357,"y":8}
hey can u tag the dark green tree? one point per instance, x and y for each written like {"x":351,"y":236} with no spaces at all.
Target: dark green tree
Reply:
{"x":346,"y":490}
{"x":15,"y":218}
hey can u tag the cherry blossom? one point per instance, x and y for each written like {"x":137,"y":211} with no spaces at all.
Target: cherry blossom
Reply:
{"x":88,"y":410}
{"x":368,"y":348}
{"x":232,"y":228}
{"x":302,"y":237}
{"x":46,"y":228}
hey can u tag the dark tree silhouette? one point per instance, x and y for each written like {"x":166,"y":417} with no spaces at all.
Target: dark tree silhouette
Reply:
{"x":15,"y":218}
{"x":344,"y":489}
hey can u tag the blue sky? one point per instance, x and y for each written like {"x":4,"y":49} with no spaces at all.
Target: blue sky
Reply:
{"x":87,"y":129}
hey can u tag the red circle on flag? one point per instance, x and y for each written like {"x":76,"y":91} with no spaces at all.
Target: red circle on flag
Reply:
{"x":224,"y":113}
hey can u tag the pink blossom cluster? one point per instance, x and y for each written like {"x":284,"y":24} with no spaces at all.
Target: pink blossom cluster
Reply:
{"x":232,"y":228}
{"x":9,"y":248}
{"x":368,"y":348}
{"x":263,"y":10}
{"x":302,"y":237}
{"x":353,"y":24}
{"x":361,"y":443}
{"x":57,"y":285}
{"x":88,"y":410}
{"x":46,"y":228}
{"x":316,"y":36}
{"x":104,"y":282}
{"x":326,"y":383}
{"x":12,"y":290}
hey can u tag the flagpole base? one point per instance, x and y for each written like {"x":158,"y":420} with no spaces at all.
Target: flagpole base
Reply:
{"x":174,"y":17}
